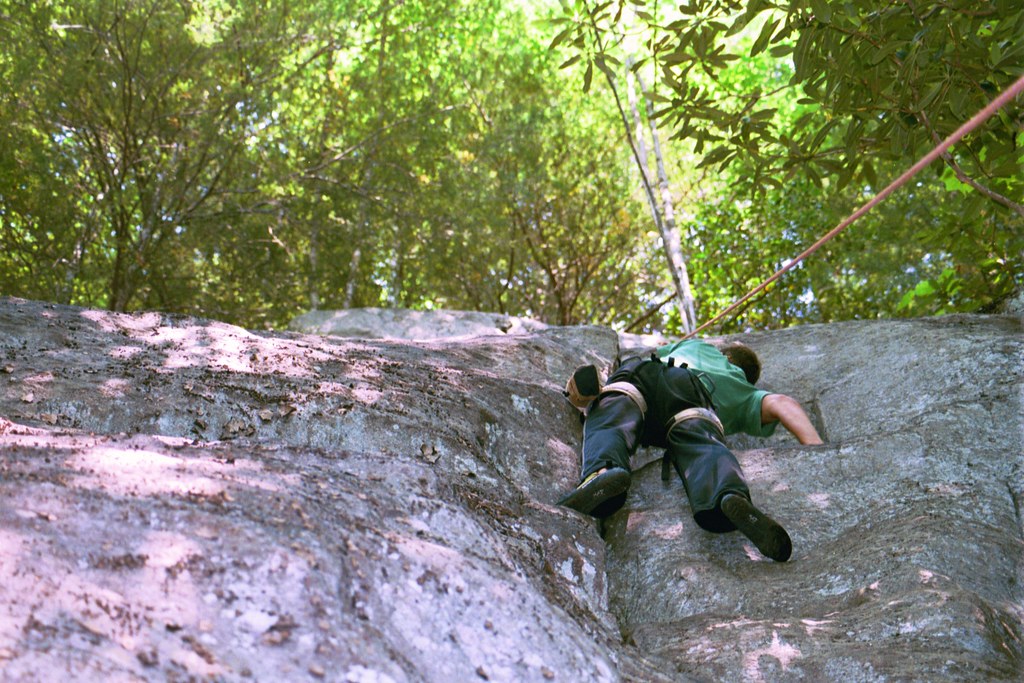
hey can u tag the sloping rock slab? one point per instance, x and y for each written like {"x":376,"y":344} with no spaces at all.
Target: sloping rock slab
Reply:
{"x":907,"y":531}
{"x":400,"y":323}
{"x":185,"y":500}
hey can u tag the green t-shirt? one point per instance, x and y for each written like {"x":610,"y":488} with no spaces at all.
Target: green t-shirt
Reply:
{"x":737,"y":402}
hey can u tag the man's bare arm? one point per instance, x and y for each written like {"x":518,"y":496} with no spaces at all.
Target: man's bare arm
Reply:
{"x":784,"y":409}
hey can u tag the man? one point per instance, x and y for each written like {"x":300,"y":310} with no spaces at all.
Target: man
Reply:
{"x":684,"y":399}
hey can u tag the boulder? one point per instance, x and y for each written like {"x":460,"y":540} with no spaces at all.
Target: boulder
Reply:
{"x":185,"y":499}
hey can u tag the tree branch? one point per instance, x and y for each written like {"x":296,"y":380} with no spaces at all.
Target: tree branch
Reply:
{"x":966,"y":179}
{"x":649,"y":312}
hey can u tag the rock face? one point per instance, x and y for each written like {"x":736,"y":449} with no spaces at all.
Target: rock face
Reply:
{"x":400,"y":323}
{"x":184,"y":499}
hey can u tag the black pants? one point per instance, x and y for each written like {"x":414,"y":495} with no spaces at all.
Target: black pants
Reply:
{"x":615,"y":427}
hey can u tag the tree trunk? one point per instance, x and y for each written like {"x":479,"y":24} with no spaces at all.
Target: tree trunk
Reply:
{"x":363,"y":224}
{"x":314,"y":296}
{"x":664,"y":216}
{"x":674,"y":242}
{"x":353,"y":271}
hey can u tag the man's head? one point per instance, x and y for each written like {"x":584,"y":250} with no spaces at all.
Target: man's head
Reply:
{"x":743,"y":357}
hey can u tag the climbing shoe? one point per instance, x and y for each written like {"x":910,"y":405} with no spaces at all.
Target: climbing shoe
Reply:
{"x":767,"y":534}
{"x":584,"y":386}
{"x":600,"y":494}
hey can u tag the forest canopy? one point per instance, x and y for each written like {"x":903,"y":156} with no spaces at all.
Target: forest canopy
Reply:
{"x":252,"y":161}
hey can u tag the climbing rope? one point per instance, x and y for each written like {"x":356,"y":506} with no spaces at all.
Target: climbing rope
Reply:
{"x":975,"y":121}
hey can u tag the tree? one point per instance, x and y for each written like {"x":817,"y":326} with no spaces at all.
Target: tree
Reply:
{"x":248,"y":162}
{"x":854,"y":94}
{"x":474,"y":181}
{"x":151,"y":109}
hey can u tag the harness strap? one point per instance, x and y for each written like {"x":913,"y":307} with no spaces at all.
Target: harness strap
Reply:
{"x":695,"y":414}
{"x":703,"y":414}
{"x":629,"y":390}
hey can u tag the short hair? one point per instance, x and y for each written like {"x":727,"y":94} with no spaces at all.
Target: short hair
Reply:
{"x":743,"y":357}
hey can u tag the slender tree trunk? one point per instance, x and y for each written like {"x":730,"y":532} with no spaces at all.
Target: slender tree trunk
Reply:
{"x":363,"y":224}
{"x":121,"y":275}
{"x":314,"y":274}
{"x":353,"y":271}
{"x":664,"y":216}
{"x":674,"y":246}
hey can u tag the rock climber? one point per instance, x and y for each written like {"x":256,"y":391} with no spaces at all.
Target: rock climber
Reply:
{"x":685,"y":398}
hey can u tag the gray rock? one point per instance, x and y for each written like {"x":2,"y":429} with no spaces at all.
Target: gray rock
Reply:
{"x":1013,"y":305}
{"x":906,"y":525}
{"x":187,"y":499}
{"x":400,"y":323}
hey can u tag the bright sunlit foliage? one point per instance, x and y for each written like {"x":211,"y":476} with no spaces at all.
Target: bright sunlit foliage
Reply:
{"x":249,"y":161}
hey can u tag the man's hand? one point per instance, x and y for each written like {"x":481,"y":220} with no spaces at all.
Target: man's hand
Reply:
{"x":784,"y":409}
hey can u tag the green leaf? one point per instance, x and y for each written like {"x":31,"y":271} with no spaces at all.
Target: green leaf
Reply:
{"x":764,"y":114}
{"x":569,"y":62}
{"x":600,"y":61}
{"x":753,"y":8}
{"x":764,"y":37}
{"x":714,"y":156}
{"x":932,"y":93}
{"x":952,"y":183}
{"x":884,"y":51}
{"x":561,"y":37}
{"x":656,"y":97}
{"x":924,"y":288}
{"x":1010,"y":168}
{"x":822,"y":10}
{"x":868,"y":170}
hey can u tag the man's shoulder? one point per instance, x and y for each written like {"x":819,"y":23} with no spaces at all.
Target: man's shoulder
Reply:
{"x":693,"y":345}
{"x":694,"y":352}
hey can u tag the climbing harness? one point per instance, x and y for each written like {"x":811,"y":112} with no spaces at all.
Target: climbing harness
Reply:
{"x":975,"y":121}
{"x":696,"y":379}
{"x":629,"y":390}
{"x":705,"y":415}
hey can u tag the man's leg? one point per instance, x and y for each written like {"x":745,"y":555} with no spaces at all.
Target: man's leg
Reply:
{"x":717,"y":490}
{"x":610,"y":436}
{"x":610,"y":433}
{"x":708,"y":469}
